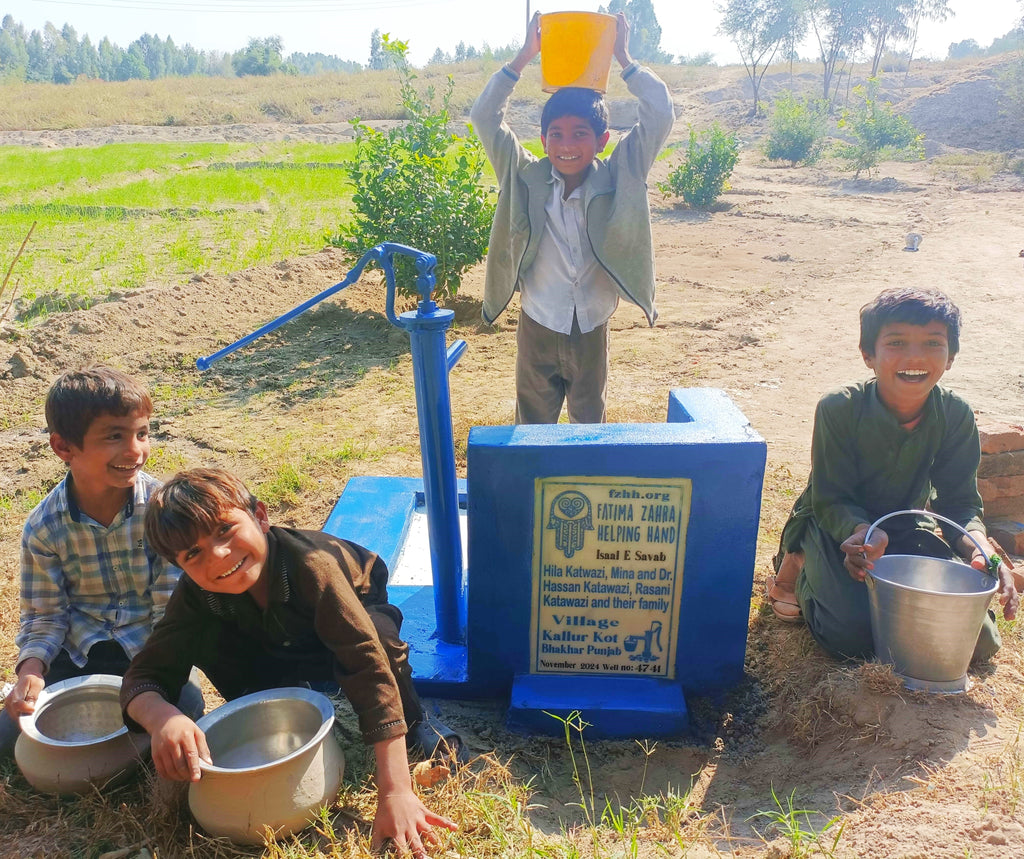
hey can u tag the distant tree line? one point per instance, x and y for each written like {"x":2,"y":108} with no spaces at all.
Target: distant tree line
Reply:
{"x":60,"y":56}
{"x":763,"y":31}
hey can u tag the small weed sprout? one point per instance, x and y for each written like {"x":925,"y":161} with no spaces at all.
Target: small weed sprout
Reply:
{"x":704,"y":174}
{"x":7,"y":275}
{"x":794,"y":824}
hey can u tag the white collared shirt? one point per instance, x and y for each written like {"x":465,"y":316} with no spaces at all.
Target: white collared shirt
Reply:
{"x":566,"y":279}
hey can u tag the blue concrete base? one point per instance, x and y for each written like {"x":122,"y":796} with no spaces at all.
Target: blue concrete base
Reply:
{"x":375,"y":512}
{"x":639,"y":708}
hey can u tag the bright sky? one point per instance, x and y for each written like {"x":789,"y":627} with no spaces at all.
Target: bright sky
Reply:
{"x":343,"y":27}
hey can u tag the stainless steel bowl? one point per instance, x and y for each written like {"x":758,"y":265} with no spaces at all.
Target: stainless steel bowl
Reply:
{"x":266,"y":728}
{"x":78,"y":712}
{"x":275,"y":763}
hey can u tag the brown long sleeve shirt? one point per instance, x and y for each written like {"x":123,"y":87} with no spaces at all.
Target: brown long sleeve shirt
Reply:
{"x":315,"y":628}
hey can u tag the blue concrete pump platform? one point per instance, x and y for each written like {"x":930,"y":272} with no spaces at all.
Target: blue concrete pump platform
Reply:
{"x":609,"y":566}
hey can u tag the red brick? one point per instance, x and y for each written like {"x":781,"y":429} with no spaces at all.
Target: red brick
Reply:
{"x":1000,"y":438}
{"x":1001,"y":464}
{"x":1009,"y":534}
{"x":1000,"y":487}
{"x":1006,"y":508}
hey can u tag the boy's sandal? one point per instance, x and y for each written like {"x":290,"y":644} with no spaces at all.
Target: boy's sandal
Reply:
{"x":784,"y":607}
{"x":437,"y":742}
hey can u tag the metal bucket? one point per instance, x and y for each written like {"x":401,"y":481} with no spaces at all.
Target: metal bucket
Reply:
{"x":926,"y":614}
{"x":275,"y":762}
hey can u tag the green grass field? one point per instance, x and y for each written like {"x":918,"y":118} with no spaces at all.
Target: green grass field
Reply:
{"x":111,"y":218}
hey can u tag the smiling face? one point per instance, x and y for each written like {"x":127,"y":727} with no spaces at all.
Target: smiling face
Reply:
{"x":572,"y":145}
{"x":908,"y":362}
{"x":113,"y":451}
{"x":231,"y":558}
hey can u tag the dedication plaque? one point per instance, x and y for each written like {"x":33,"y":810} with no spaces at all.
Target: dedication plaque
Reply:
{"x":608,"y":574}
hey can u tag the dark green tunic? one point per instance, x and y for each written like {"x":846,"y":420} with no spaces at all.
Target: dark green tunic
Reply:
{"x":864,"y":465}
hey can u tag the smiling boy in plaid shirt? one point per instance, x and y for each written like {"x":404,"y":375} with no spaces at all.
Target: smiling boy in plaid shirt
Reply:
{"x":91,"y":589}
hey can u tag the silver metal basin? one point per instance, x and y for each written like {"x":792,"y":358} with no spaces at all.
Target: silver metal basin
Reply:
{"x":76,"y":737}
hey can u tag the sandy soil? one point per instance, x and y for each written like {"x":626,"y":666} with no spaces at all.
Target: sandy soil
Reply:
{"x":759,"y":298}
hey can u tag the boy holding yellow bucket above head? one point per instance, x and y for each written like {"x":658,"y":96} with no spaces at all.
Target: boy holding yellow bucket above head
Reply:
{"x":572,"y":231}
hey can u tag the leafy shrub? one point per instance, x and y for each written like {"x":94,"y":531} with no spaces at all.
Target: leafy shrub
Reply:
{"x":419,"y":184}
{"x":796,"y":131}
{"x":704,"y":173}
{"x":878,"y":133}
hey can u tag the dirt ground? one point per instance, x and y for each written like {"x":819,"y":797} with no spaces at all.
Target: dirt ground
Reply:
{"x":759,"y":298}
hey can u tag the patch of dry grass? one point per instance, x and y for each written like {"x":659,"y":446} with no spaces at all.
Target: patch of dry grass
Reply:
{"x":327,"y":98}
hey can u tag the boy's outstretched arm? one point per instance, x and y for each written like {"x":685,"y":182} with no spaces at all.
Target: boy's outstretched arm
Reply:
{"x":176,"y":741}
{"x":401,"y":816}
{"x":622,"y":40}
{"x":531,"y":46}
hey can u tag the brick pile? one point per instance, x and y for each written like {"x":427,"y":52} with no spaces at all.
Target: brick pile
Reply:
{"x":1001,"y":483}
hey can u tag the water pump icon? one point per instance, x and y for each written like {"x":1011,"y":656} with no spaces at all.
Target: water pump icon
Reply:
{"x":651,"y":636}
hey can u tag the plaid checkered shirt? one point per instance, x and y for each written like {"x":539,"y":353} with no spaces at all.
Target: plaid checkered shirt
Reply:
{"x":82,"y":582}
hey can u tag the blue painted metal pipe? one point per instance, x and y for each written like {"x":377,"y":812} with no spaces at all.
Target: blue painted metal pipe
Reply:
{"x":437,"y":449}
{"x":431,"y":363}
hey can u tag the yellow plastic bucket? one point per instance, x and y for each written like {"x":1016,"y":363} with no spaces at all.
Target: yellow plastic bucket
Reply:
{"x":576,"y":49}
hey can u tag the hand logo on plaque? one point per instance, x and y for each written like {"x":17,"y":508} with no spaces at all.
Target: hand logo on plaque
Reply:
{"x":570,"y":519}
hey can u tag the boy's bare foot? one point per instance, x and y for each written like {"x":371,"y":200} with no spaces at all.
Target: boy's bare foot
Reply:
{"x":780,"y":589}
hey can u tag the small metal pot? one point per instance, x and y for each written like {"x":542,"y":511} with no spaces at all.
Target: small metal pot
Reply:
{"x":76,"y":739}
{"x":275,"y":763}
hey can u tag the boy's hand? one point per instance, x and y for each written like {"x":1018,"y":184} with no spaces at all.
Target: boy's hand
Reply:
{"x":531,"y":46}
{"x":401,"y":817}
{"x":177,"y":747}
{"x":176,"y":741}
{"x":406,"y":822}
{"x":22,"y":698}
{"x":622,"y":40}
{"x":1008,"y":596}
{"x":860,"y":556}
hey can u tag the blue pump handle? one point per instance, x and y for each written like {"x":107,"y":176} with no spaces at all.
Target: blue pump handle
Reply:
{"x":383,"y":255}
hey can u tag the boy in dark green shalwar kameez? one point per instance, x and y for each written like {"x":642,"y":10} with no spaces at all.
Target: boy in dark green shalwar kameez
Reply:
{"x":895,"y":442}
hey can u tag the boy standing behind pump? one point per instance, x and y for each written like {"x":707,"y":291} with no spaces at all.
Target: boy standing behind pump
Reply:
{"x":571,"y":232}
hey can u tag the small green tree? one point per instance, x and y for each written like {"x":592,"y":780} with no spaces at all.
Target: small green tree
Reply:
{"x":710,"y":158}
{"x":260,"y":57}
{"x":878,"y":133}
{"x":796,"y":131}
{"x":419,"y":184}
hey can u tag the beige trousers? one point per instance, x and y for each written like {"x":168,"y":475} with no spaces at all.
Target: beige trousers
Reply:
{"x":552,"y":368}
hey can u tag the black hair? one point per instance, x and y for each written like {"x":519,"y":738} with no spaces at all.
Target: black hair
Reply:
{"x":189,"y":507}
{"x":585,"y":103}
{"x":78,"y":397}
{"x":910,"y":305}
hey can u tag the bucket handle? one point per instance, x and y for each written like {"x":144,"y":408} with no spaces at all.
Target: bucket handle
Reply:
{"x":988,"y":561}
